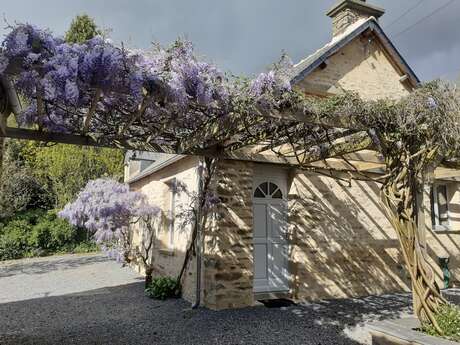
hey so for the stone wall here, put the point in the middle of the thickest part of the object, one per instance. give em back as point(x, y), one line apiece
point(361, 66)
point(168, 255)
point(341, 243)
point(228, 240)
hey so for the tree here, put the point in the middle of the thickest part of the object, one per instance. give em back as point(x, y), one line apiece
point(68, 168)
point(107, 209)
point(20, 190)
point(82, 29)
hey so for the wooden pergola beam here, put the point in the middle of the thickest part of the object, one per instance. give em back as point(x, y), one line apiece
point(355, 143)
point(351, 165)
point(368, 156)
point(443, 173)
point(342, 146)
point(62, 138)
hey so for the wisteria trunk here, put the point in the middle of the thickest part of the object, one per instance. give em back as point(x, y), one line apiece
point(399, 197)
point(148, 276)
point(200, 213)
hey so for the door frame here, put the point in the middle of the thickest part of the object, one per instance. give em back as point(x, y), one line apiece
point(279, 176)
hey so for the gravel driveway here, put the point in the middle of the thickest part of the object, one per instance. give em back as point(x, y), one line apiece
point(90, 300)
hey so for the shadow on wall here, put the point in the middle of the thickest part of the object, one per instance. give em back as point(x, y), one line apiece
point(228, 240)
point(343, 245)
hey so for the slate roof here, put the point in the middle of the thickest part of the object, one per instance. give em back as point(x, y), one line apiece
point(309, 64)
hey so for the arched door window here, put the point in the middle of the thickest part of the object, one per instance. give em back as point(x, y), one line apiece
point(268, 190)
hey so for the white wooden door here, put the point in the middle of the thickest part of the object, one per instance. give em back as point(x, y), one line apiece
point(270, 243)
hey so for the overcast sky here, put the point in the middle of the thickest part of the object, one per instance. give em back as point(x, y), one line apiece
point(245, 36)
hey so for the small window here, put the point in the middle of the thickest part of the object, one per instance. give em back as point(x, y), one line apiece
point(440, 207)
point(172, 211)
point(268, 190)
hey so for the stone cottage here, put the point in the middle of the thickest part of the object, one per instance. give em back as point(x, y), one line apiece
point(280, 232)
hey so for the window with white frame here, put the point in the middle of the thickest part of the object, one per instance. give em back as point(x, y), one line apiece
point(172, 211)
point(440, 207)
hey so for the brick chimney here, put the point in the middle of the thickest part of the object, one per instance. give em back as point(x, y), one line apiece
point(348, 12)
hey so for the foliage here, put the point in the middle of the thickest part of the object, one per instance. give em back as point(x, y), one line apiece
point(38, 232)
point(448, 318)
point(106, 208)
point(85, 247)
point(82, 29)
point(429, 116)
point(20, 190)
point(162, 288)
point(51, 233)
point(14, 239)
point(59, 172)
point(68, 168)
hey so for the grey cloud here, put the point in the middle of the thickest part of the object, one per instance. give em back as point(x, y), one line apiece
point(245, 36)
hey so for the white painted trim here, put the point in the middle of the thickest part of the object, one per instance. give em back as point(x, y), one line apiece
point(437, 226)
point(172, 213)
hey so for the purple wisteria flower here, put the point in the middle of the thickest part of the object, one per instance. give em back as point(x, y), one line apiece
point(274, 82)
point(167, 88)
point(106, 208)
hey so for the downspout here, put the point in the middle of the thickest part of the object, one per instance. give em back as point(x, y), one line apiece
point(444, 264)
point(198, 244)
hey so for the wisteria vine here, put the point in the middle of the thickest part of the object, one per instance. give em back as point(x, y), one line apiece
point(106, 91)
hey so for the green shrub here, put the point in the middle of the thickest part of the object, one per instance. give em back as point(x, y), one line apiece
point(14, 239)
point(448, 319)
point(162, 288)
point(52, 233)
point(32, 217)
point(38, 233)
point(21, 190)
